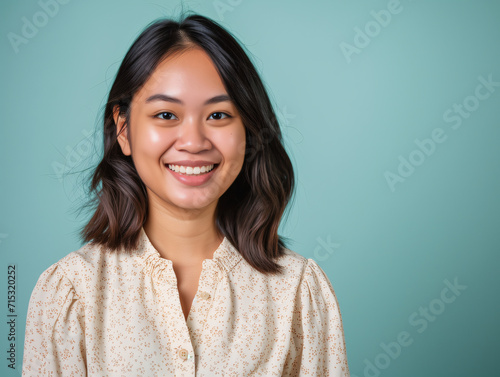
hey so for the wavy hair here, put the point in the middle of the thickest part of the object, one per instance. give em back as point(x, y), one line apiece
point(250, 211)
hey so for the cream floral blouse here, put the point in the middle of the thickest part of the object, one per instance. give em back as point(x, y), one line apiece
point(98, 312)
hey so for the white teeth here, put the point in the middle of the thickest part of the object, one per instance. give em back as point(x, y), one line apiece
point(190, 170)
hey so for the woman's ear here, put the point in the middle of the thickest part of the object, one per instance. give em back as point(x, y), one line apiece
point(121, 131)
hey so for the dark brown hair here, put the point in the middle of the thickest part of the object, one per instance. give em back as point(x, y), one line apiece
point(250, 211)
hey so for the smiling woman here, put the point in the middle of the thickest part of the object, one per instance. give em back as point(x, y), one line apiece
point(181, 132)
point(184, 272)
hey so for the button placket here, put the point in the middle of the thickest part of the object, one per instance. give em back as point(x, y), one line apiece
point(184, 354)
point(179, 332)
point(209, 280)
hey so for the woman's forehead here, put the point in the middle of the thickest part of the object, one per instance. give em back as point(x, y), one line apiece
point(190, 73)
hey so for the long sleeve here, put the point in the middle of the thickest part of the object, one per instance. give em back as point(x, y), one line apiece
point(317, 338)
point(54, 342)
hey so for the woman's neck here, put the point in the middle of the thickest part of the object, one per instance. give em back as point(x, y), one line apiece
point(186, 237)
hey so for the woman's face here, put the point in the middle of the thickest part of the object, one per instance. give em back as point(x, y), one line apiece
point(185, 136)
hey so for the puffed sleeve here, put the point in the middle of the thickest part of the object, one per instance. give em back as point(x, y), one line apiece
point(317, 335)
point(54, 342)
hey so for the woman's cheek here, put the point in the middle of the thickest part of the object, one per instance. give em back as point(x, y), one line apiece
point(153, 141)
point(233, 143)
point(154, 137)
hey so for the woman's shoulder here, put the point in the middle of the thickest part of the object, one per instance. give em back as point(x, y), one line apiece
point(296, 260)
point(301, 266)
point(294, 266)
point(293, 260)
point(87, 264)
point(88, 257)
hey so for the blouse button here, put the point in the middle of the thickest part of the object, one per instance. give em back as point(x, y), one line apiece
point(183, 354)
point(205, 295)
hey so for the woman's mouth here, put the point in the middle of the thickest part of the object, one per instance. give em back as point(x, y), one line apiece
point(191, 170)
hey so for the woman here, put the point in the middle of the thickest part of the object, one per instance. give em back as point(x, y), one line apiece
point(183, 272)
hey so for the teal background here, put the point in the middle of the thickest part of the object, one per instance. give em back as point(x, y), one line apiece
point(387, 252)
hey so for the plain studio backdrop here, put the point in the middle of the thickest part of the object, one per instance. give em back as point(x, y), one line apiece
point(389, 110)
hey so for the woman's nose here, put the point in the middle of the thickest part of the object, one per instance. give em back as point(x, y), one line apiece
point(192, 136)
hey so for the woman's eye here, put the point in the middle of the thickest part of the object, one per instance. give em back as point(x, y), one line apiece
point(165, 115)
point(219, 115)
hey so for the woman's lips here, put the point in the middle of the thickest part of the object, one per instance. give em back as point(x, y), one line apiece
point(192, 179)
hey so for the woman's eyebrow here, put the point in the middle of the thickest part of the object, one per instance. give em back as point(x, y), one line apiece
point(166, 98)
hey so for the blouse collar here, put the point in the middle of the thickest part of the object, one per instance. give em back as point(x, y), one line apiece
point(226, 256)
